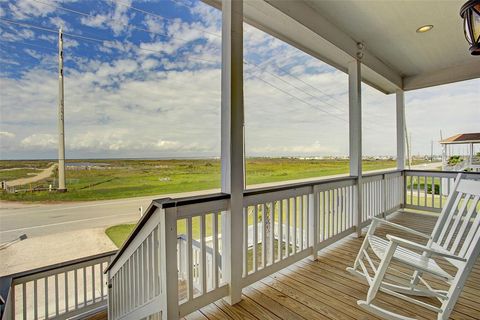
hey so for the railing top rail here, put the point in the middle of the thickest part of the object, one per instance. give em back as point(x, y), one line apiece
point(178, 202)
point(263, 190)
point(382, 172)
point(59, 265)
point(442, 172)
point(283, 187)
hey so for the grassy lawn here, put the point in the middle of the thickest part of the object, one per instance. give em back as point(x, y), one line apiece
point(115, 179)
point(119, 233)
point(24, 164)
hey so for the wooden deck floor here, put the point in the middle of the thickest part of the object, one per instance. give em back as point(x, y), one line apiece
point(324, 290)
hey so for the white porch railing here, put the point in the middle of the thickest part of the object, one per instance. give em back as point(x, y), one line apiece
point(281, 225)
point(173, 263)
point(63, 291)
point(382, 194)
point(428, 190)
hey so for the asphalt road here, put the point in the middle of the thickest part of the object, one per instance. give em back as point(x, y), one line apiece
point(44, 219)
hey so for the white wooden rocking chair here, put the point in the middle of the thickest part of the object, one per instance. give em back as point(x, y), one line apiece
point(455, 238)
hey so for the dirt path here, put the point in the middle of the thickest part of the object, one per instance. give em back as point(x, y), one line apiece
point(42, 175)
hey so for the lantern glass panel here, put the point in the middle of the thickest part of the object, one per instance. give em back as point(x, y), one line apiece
point(467, 31)
point(476, 23)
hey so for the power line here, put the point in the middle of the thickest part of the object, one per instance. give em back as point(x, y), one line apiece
point(22, 24)
point(85, 14)
point(151, 50)
point(314, 88)
point(297, 98)
point(163, 35)
point(30, 44)
point(309, 104)
point(102, 42)
point(324, 93)
point(298, 88)
point(96, 40)
point(152, 32)
point(182, 4)
point(63, 8)
point(145, 30)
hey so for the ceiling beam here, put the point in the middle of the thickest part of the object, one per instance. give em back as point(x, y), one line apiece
point(450, 74)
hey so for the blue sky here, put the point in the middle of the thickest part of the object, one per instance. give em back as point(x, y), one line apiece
point(142, 79)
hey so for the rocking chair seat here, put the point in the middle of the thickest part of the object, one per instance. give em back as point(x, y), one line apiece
point(409, 257)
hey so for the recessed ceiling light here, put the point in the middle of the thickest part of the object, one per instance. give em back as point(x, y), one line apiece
point(425, 28)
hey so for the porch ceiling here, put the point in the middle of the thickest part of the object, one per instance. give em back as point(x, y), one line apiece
point(395, 57)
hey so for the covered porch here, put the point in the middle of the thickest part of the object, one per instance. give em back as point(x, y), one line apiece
point(278, 252)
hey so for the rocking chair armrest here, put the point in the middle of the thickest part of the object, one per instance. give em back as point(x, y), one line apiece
point(413, 245)
point(403, 228)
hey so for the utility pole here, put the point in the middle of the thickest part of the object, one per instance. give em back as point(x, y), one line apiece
point(408, 142)
point(61, 117)
point(431, 150)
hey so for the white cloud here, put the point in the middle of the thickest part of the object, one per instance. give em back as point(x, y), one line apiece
point(12, 35)
point(39, 140)
point(7, 135)
point(451, 109)
point(116, 20)
point(149, 104)
point(317, 148)
point(23, 9)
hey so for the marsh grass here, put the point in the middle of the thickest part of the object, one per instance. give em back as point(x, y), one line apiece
point(134, 178)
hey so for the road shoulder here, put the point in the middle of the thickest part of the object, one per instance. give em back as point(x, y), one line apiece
point(55, 248)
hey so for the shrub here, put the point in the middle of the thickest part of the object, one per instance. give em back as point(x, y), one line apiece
point(453, 160)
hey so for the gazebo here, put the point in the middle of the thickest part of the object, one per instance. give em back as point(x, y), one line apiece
point(465, 162)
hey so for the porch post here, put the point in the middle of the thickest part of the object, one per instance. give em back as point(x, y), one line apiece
point(400, 129)
point(232, 136)
point(471, 155)
point(355, 133)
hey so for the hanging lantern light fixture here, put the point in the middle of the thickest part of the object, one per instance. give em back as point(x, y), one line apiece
point(470, 12)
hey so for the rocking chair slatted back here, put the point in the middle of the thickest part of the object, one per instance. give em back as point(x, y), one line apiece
point(457, 228)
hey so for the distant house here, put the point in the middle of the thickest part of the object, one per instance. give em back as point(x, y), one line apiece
point(456, 158)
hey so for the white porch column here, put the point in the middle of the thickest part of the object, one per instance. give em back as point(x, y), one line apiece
point(232, 116)
point(400, 129)
point(355, 132)
point(471, 155)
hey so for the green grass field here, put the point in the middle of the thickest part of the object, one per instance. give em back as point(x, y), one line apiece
point(132, 178)
point(13, 174)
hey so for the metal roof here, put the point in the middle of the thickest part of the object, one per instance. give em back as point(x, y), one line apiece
point(462, 138)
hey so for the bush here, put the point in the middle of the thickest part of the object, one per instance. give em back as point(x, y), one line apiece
point(453, 160)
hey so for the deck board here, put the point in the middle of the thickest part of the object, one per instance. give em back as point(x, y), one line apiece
point(323, 289)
